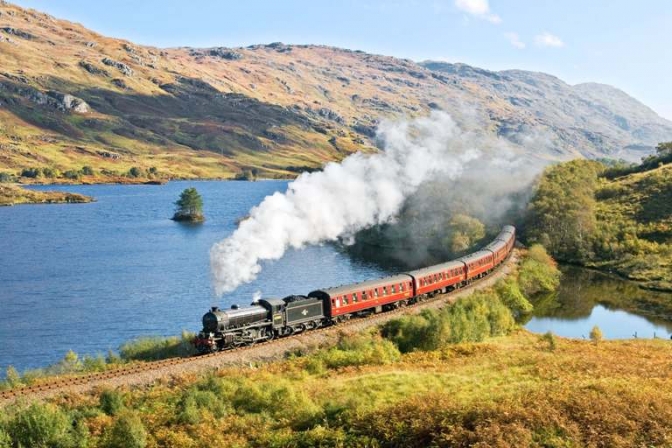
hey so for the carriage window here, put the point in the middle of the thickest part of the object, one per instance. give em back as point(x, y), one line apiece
point(345, 300)
point(363, 295)
point(333, 302)
point(384, 290)
point(393, 289)
point(354, 297)
point(375, 292)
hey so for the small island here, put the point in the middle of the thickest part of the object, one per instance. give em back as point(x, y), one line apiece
point(189, 207)
point(15, 195)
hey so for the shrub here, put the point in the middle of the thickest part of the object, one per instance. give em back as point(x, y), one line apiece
point(596, 334)
point(135, 172)
point(194, 401)
point(538, 272)
point(87, 171)
point(50, 172)
point(12, 377)
point(360, 349)
point(471, 319)
point(127, 432)
point(72, 175)
point(549, 337)
point(31, 172)
point(111, 402)
point(5, 440)
point(153, 348)
point(6, 177)
point(40, 425)
point(509, 292)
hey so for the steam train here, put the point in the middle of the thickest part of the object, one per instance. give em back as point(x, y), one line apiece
point(270, 318)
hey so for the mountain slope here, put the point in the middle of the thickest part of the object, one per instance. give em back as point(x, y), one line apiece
point(70, 97)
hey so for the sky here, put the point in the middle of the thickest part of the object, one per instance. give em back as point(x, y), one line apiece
point(623, 43)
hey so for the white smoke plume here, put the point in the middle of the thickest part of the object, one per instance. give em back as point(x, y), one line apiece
point(361, 191)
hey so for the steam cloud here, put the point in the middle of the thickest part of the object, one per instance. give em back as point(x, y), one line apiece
point(361, 191)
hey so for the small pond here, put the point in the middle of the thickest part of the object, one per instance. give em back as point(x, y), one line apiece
point(619, 307)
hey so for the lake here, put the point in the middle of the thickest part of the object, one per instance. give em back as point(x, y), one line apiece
point(88, 277)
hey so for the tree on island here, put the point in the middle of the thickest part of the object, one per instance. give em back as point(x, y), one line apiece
point(189, 206)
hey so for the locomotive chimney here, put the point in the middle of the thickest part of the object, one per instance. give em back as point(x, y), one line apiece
point(214, 308)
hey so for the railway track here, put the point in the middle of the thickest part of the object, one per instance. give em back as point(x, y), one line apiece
point(100, 378)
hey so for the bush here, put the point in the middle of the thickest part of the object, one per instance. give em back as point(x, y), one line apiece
point(596, 334)
point(538, 272)
point(360, 349)
point(6, 177)
point(153, 348)
point(72, 175)
point(42, 426)
point(194, 401)
point(50, 172)
point(12, 377)
point(471, 319)
point(549, 337)
point(5, 440)
point(111, 402)
point(511, 295)
point(135, 172)
point(87, 171)
point(31, 172)
point(127, 432)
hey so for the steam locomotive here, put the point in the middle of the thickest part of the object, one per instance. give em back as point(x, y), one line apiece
point(270, 318)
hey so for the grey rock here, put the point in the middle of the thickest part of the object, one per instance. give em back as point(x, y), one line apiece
point(120, 83)
point(123, 68)
point(17, 33)
point(225, 53)
point(66, 102)
point(89, 67)
point(330, 115)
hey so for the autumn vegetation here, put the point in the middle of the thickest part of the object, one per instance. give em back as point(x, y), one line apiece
point(616, 218)
point(461, 376)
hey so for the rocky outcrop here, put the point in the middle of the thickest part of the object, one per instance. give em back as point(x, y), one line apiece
point(89, 67)
point(64, 102)
point(123, 68)
point(225, 53)
point(17, 33)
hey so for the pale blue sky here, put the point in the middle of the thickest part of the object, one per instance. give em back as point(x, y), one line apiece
point(623, 43)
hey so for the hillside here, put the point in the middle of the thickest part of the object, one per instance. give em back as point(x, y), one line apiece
point(70, 98)
point(618, 220)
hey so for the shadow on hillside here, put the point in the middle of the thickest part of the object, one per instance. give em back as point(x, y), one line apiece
point(191, 113)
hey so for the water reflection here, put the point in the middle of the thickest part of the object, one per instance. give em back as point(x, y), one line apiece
point(619, 307)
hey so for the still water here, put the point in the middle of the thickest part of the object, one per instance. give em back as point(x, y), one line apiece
point(587, 298)
point(88, 277)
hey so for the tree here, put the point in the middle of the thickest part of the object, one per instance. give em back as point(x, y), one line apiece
point(664, 149)
point(189, 206)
